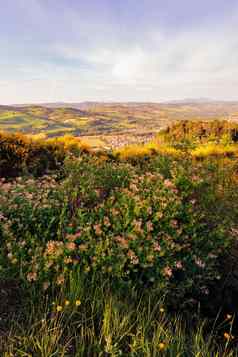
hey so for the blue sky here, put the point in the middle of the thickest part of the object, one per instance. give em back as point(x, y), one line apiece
point(118, 50)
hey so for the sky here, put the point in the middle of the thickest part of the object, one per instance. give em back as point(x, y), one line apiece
point(118, 50)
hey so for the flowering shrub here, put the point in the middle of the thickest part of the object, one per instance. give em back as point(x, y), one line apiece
point(135, 153)
point(132, 226)
point(215, 150)
point(20, 154)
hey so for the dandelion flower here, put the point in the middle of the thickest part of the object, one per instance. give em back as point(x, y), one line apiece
point(161, 346)
point(77, 302)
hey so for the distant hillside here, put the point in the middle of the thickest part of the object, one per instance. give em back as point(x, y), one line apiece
point(109, 119)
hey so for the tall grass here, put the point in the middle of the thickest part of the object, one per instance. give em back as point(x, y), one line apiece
point(111, 323)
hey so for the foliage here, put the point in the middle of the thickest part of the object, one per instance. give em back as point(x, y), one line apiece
point(20, 154)
point(201, 131)
point(133, 226)
point(107, 248)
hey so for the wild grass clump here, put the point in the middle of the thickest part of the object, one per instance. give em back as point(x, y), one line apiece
point(88, 318)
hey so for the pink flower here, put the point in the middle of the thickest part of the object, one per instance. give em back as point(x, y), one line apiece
point(157, 247)
point(199, 263)
point(134, 259)
point(168, 184)
point(70, 246)
point(174, 223)
point(32, 276)
point(205, 290)
point(122, 241)
point(179, 265)
point(212, 256)
point(97, 229)
point(149, 226)
point(167, 272)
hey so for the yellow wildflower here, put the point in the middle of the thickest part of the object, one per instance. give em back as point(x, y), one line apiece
point(161, 346)
point(66, 302)
point(77, 302)
point(59, 308)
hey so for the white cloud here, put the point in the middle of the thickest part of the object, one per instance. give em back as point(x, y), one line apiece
point(157, 66)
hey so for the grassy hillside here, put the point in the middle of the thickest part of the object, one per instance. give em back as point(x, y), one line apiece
point(109, 124)
point(128, 252)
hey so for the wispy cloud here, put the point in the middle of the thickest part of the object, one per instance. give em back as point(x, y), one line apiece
point(67, 51)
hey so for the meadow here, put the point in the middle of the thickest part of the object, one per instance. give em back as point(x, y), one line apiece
point(124, 252)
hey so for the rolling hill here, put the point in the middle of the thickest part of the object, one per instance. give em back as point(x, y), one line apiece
point(110, 124)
